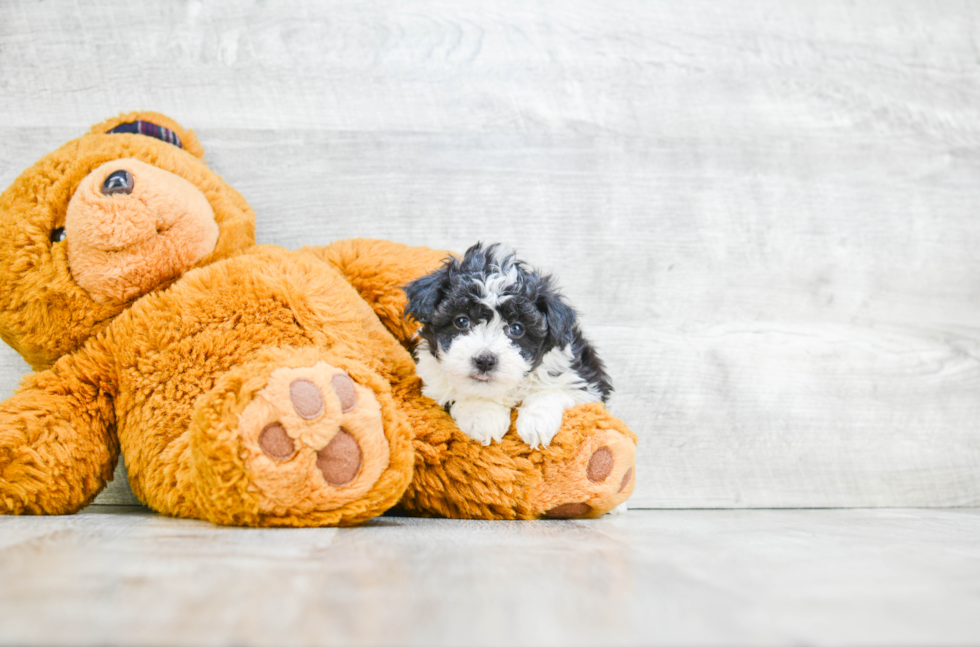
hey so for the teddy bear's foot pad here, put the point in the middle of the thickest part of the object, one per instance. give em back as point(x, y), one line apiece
point(340, 460)
point(314, 439)
point(597, 478)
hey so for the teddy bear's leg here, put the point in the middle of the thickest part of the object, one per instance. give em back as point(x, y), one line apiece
point(587, 470)
point(57, 444)
point(297, 437)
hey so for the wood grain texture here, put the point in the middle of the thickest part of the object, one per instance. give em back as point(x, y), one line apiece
point(767, 218)
point(708, 577)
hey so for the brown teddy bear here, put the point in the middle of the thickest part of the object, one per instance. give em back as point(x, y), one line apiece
point(245, 384)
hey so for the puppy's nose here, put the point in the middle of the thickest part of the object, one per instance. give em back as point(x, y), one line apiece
point(485, 362)
point(119, 182)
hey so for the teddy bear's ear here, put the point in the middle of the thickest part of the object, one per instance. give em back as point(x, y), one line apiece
point(153, 124)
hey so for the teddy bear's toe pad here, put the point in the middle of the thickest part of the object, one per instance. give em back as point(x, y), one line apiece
point(306, 398)
point(627, 477)
point(275, 442)
point(314, 439)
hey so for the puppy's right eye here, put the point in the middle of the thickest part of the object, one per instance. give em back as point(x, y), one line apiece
point(461, 322)
point(58, 235)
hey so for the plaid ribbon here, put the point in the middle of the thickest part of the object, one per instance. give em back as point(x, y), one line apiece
point(150, 130)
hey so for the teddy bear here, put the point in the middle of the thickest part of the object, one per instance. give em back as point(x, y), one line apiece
point(244, 384)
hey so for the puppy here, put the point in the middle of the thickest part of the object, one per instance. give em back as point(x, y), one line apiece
point(495, 334)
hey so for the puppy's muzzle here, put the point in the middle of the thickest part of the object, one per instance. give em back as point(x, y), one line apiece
point(484, 363)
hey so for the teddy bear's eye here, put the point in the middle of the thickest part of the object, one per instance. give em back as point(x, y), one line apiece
point(58, 235)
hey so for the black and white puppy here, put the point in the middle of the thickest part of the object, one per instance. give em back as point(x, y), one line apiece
point(495, 334)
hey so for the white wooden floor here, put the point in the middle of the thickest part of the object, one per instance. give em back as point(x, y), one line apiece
point(125, 576)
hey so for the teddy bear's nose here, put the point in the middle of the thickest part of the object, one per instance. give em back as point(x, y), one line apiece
point(120, 181)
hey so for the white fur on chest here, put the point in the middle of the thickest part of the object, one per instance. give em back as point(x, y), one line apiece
point(482, 410)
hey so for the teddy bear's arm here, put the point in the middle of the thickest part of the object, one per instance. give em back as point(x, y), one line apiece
point(58, 446)
point(378, 269)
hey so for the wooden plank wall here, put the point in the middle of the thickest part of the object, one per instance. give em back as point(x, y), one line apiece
point(767, 214)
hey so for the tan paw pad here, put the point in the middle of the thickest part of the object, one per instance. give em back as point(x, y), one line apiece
point(306, 398)
point(313, 439)
point(343, 386)
point(568, 511)
point(598, 477)
point(340, 460)
point(627, 477)
point(600, 465)
point(275, 442)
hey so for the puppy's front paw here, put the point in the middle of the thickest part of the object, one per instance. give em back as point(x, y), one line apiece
point(538, 422)
point(481, 420)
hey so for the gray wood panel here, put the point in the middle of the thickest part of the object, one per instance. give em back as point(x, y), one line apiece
point(767, 216)
point(703, 577)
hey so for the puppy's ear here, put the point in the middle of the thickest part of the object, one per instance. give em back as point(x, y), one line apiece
point(424, 294)
point(558, 315)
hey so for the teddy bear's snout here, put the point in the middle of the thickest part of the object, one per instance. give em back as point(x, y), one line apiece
point(116, 220)
point(132, 227)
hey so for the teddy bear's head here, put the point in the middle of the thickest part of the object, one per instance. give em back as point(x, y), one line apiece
point(103, 220)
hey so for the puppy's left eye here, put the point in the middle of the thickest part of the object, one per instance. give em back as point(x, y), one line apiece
point(461, 322)
point(516, 331)
point(58, 235)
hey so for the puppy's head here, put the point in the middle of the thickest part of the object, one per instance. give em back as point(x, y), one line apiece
point(488, 319)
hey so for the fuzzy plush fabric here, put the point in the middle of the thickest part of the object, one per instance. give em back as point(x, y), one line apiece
point(45, 312)
point(244, 384)
point(115, 252)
